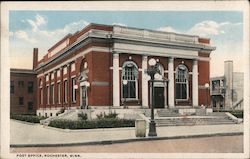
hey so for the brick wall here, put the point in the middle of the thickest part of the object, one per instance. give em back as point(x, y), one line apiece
point(22, 91)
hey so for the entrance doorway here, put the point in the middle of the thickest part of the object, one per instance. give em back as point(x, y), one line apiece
point(159, 97)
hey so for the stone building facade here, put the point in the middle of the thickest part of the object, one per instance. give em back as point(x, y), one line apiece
point(105, 65)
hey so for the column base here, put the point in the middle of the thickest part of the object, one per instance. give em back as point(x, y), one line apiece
point(152, 129)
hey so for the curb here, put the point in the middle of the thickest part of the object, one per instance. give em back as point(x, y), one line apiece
point(88, 130)
point(107, 142)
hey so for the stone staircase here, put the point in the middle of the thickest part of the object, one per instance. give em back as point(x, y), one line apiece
point(193, 120)
point(168, 113)
point(68, 114)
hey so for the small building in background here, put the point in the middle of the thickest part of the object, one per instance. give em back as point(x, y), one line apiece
point(23, 90)
point(227, 90)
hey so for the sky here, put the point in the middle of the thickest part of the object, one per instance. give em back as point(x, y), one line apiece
point(42, 29)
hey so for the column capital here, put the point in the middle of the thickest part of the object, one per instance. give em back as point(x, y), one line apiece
point(115, 55)
point(171, 59)
point(195, 61)
point(144, 57)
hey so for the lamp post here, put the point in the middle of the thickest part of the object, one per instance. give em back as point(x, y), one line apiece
point(206, 86)
point(152, 71)
point(124, 82)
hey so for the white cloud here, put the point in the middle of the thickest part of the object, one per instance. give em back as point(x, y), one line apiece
point(39, 21)
point(227, 38)
point(24, 36)
point(120, 24)
point(208, 28)
point(168, 29)
point(39, 36)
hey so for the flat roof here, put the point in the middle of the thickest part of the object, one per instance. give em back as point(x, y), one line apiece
point(23, 71)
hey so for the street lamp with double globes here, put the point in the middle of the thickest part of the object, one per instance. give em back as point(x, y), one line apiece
point(152, 71)
point(207, 87)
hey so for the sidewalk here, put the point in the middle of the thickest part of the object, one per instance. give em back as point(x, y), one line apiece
point(38, 135)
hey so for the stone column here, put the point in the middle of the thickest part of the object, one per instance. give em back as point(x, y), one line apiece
point(195, 83)
point(144, 81)
point(171, 97)
point(116, 80)
point(69, 85)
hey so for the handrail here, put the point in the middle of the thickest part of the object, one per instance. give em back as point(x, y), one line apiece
point(238, 103)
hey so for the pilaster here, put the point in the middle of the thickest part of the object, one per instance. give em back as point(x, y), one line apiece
point(116, 80)
point(171, 97)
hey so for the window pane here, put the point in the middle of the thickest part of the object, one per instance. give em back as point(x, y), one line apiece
point(20, 83)
point(132, 90)
point(20, 100)
point(73, 92)
point(30, 106)
point(52, 92)
point(65, 91)
point(178, 91)
point(12, 87)
point(184, 91)
point(59, 92)
point(41, 96)
point(48, 94)
point(125, 91)
point(30, 87)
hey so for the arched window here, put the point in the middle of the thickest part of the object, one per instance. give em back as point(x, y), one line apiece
point(181, 82)
point(130, 80)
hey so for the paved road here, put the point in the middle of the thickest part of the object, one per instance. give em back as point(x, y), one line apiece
point(37, 134)
point(218, 144)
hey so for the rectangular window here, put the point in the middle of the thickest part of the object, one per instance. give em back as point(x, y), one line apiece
point(30, 106)
point(52, 93)
point(73, 90)
point(21, 101)
point(73, 67)
point(58, 73)
point(20, 83)
point(47, 78)
point(65, 91)
point(65, 70)
point(52, 75)
point(30, 87)
point(59, 92)
point(12, 87)
point(41, 96)
point(48, 94)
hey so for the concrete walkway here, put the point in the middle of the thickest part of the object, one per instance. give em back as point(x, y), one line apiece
point(23, 134)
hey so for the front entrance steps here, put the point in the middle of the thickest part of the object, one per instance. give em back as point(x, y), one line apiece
point(193, 120)
point(68, 114)
point(163, 117)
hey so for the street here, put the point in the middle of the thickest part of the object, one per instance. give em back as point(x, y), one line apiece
point(216, 144)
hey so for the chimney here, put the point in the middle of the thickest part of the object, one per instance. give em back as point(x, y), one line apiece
point(228, 73)
point(35, 57)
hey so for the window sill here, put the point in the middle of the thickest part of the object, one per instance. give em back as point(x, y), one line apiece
point(181, 100)
point(129, 100)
